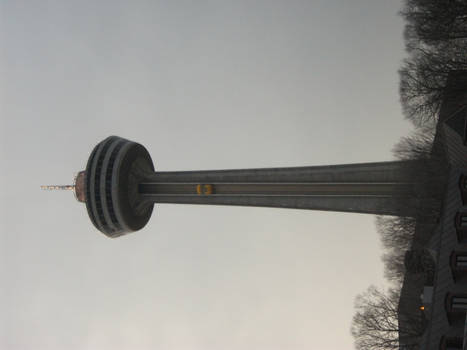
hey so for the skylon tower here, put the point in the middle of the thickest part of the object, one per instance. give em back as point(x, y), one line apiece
point(120, 187)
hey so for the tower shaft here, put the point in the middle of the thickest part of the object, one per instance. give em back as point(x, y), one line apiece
point(373, 188)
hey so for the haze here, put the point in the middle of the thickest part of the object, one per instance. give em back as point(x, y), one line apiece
point(203, 85)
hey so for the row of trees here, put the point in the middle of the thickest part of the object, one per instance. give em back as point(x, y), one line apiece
point(380, 322)
point(436, 41)
point(428, 164)
point(376, 322)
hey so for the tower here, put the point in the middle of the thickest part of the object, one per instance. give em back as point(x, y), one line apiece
point(120, 187)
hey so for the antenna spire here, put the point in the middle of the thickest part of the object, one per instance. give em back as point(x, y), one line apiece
point(77, 187)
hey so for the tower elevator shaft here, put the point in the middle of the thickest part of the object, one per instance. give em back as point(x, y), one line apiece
point(375, 188)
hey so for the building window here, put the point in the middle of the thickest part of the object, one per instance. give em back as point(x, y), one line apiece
point(463, 183)
point(465, 128)
point(460, 222)
point(456, 307)
point(450, 343)
point(459, 303)
point(461, 261)
point(458, 264)
point(463, 188)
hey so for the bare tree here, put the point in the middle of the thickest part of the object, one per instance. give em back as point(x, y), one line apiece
point(420, 261)
point(435, 21)
point(436, 38)
point(394, 268)
point(396, 231)
point(396, 234)
point(416, 146)
point(376, 324)
point(427, 171)
point(421, 91)
point(423, 81)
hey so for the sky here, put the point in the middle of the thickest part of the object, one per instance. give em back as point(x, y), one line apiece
point(202, 85)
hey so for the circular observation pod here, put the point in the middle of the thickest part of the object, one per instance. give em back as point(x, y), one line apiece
point(113, 171)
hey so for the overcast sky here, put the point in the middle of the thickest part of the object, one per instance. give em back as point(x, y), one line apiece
point(203, 85)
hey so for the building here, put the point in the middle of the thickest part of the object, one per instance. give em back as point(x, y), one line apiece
point(439, 293)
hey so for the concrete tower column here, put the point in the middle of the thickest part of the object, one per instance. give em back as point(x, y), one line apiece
point(373, 188)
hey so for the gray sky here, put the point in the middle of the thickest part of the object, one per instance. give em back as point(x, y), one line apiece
point(203, 85)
